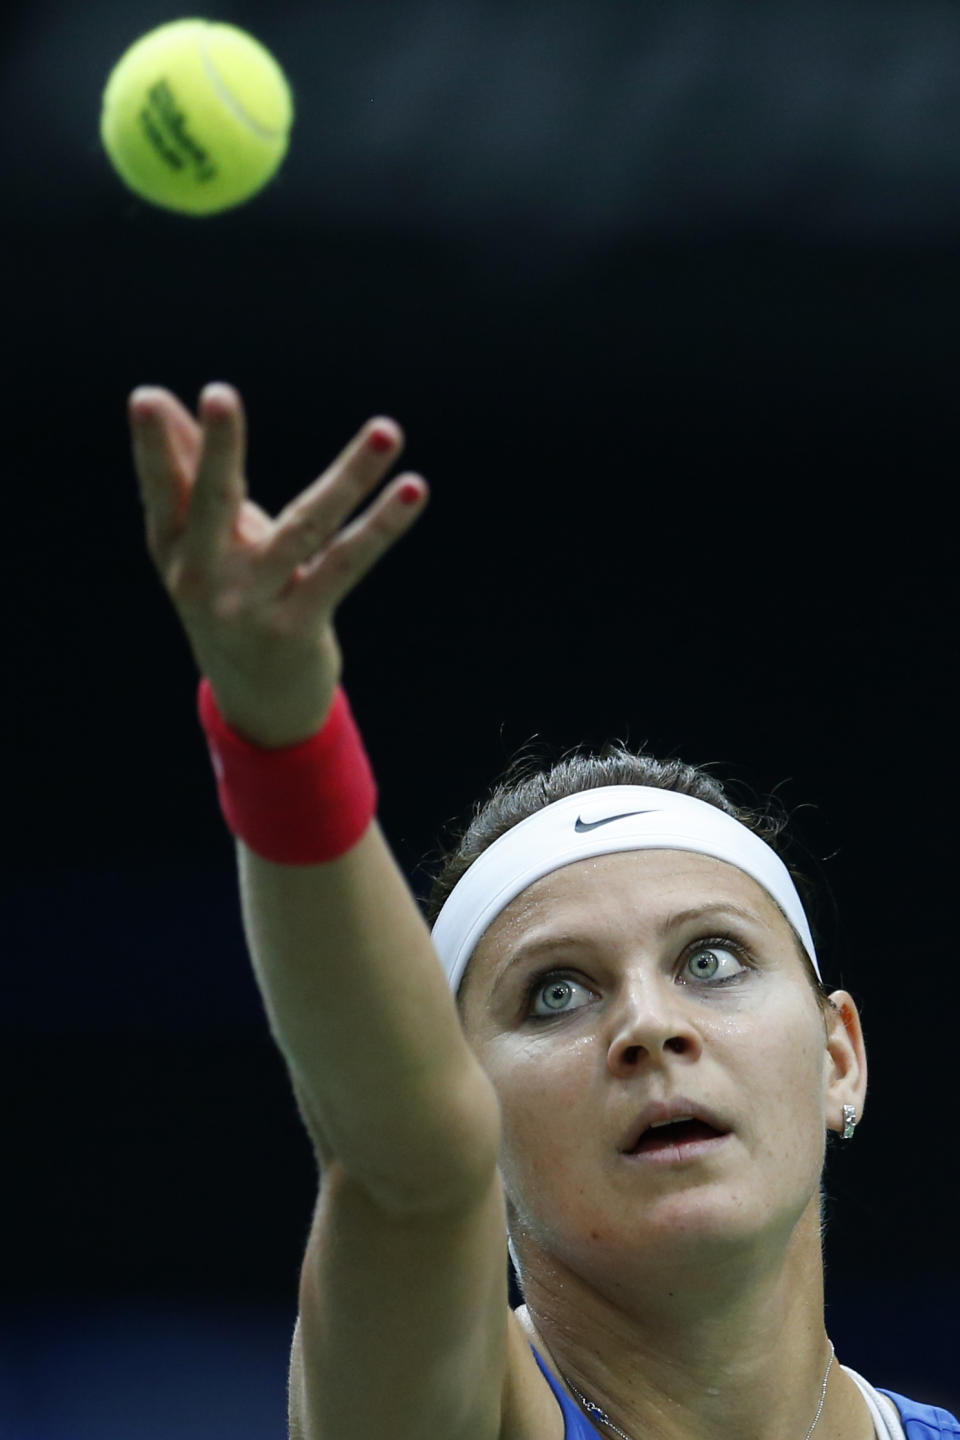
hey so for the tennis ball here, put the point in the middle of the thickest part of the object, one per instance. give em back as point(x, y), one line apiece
point(196, 116)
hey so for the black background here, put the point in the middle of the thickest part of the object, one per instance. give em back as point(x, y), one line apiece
point(665, 299)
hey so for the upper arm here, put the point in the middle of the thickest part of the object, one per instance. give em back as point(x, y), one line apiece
point(403, 1317)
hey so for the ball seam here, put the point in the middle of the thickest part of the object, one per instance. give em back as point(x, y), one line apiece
point(231, 101)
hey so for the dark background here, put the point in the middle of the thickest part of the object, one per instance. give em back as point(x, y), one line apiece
point(665, 298)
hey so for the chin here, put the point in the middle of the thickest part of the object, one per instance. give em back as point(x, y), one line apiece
point(701, 1223)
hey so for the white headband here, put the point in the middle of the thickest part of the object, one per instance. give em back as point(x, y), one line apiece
point(603, 821)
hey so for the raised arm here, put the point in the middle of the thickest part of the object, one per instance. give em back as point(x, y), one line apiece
point(355, 996)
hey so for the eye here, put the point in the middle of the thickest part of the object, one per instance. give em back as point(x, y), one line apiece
point(715, 961)
point(556, 989)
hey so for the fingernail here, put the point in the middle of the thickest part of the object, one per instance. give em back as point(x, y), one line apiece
point(409, 493)
point(215, 407)
point(216, 390)
point(380, 440)
point(140, 403)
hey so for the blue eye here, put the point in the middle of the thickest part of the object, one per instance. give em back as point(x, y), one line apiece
point(555, 989)
point(710, 961)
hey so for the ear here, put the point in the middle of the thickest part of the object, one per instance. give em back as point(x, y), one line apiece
point(845, 1063)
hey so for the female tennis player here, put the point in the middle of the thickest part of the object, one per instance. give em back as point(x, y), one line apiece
point(611, 1044)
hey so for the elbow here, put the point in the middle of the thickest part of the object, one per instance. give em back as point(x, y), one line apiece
point(451, 1164)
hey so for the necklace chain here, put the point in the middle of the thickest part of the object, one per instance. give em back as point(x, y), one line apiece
point(604, 1418)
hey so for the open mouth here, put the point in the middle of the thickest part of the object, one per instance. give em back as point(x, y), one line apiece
point(676, 1134)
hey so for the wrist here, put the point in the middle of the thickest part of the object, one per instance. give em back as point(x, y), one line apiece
point(274, 731)
point(299, 804)
point(278, 698)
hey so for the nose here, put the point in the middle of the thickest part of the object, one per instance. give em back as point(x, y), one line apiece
point(651, 1026)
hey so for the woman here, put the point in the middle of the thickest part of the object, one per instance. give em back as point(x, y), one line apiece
point(626, 1056)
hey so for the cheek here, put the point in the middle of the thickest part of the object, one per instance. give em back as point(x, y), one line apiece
point(789, 1078)
point(544, 1105)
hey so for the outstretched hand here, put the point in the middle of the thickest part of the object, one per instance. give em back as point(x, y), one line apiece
point(257, 596)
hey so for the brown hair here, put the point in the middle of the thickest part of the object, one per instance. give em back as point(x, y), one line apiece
point(530, 782)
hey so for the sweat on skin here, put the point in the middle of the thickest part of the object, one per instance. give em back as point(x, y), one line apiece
point(686, 1299)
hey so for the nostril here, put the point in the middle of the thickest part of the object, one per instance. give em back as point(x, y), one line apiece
point(677, 1045)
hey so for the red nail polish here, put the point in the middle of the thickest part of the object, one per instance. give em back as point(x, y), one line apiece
point(380, 441)
point(409, 493)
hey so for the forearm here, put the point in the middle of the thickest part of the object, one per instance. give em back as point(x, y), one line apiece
point(359, 1006)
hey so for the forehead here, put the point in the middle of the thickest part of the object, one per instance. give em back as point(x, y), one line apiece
point(605, 893)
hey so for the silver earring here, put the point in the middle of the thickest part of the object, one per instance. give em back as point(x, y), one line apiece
point(849, 1122)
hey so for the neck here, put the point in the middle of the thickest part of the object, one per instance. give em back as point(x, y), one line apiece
point(729, 1351)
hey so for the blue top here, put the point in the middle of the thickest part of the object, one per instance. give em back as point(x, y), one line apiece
point(576, 1426)
point(921, 1422)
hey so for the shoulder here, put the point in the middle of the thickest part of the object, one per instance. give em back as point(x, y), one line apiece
point(924, 1422)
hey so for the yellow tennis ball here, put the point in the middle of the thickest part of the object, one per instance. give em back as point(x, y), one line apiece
point(196, 116)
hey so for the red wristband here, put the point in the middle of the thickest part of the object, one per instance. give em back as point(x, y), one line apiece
point(300, 805)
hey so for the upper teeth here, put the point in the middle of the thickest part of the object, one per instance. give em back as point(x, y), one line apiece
point(677, 1119)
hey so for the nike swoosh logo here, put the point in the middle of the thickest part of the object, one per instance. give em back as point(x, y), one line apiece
point(583, 825)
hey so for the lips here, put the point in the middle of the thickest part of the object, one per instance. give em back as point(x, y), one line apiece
point(673, 1122)
point(680, 1132)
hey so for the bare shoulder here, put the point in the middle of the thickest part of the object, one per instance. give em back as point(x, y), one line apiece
point(530, 1409)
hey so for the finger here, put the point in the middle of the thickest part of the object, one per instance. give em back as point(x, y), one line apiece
point(162, 455)
point(323, 582)
point(220, 487)
point(311, 521)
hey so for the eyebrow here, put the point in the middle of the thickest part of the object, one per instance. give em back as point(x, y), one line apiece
point(566, 941)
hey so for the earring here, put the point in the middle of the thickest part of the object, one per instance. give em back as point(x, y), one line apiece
point(849, 1122)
